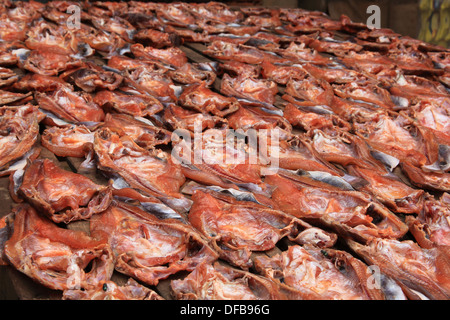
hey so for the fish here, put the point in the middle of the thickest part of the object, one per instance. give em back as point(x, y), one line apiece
point(369, 62)
point(357, 111)
point(434, 117)
point(429, 180)
point(303, 132)
point(235, 68)
point(269, 19)
point(367, 92)
point(37, 82)
point(135, 104)
point(48, 63)
point(172, 56)
point(152, 173)
point(398, 137)
point(68, 141)
point(11, 52)
point(309, 273)
point(235, 228)
point(431, 227)
point(223, 50)
point(417, 89)
point(202, 99)
point(257, 90)
point(298, 154)
point(14, 98)
point(155, 38)
point(348, 213)
point(240, 195)
point(188, 35)
point(141, 130)
point(219, 160)
point(215, 11)
point(12, 29)
point(253, 117)
point(70, 105)
point(309, 23)
point(154, 83)
point(411, 60)
point(440, 58)
point(105, 43)
point(19, 127)
point(341, 147)
point(420, 272)
point(178, 118)
point(109, 290)
point(191, 73)
point(391, 191)
point(300, 53)
point(281, 73)
point(177, 15)
point(116, 25)
point(380, 35)
point(335, 75)
point(147, 248)
point(122, 63)
point(45, 35)
point(218, 282)
point(301, 117)
point(7, 77)
point(108, 9)
point(333, 46)
point(230, 30)
point(311, 90)
point(90, 77)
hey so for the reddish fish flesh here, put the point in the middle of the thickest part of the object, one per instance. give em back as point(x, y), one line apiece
point(151, 172)
point(177, 117)
point(256, 90)
point(191, 73)
point(235, 229)
point(308, 273)
point(70, 105)
point(142, 131)
point(422, 273)
point(62, 195)
point(56, 257)
point(48, 63)
point(431, 226)
point(173, 56)
point(148, 248)
point(247, 54)
point(199, 97)
point(19, 127)
point(137, 104)
point(70, 141)
point(90, 77)
point(349, 213)
point(391, 191)
point(109, 290)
